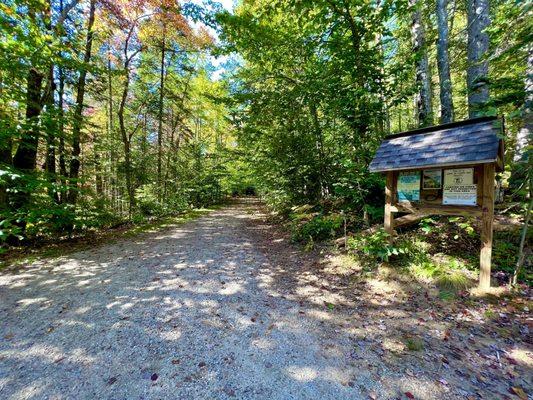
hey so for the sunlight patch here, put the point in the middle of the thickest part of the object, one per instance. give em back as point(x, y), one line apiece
point(232, 288)
point(302, 374)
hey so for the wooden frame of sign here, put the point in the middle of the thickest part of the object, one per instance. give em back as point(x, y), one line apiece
point(446, 169)
point(430, 203)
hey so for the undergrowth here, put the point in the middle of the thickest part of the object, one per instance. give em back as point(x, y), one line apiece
point(444, 251)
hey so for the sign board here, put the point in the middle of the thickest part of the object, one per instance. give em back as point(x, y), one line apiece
point(459, 187)
point(432, 178)
point(409, 186)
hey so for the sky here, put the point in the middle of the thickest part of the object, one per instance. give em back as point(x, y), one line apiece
point(218, 63)
point(227, 4)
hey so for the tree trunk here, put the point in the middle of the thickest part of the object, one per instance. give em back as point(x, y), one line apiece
point(521, 252)
point(443, 63)
point(50, 119)
point(111, 133)
point(61, 127)
point(360, 120)
point(319, 141)
point(61, 149)
point(524, 135)
point(50, 125)
point(423, 96)
point(99, 183)
point(125, 137)
point(478, 66)
point(5, 146)
point(78, 118)
point(25, 158)
point(160, 117)
point(26, 155)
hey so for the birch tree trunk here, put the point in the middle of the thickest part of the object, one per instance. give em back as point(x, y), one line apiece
point(77, 122)
point(478, 66)
point(443, 64)
point(524, 135)
point(423, 96)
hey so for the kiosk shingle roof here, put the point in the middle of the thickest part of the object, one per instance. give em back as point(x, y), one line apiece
point(474, 141)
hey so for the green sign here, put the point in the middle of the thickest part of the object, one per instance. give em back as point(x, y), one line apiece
point(409, 186)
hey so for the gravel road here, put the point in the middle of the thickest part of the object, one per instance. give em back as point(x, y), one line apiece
point(195, 311)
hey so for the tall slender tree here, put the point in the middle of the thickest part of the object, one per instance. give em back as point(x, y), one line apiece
point(160, 110)
point(478, 66)
point(443, 64)
point(423, 79)
point(524, 137)
point(78, 112)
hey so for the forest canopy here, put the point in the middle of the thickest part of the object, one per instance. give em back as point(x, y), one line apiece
point(114, 111)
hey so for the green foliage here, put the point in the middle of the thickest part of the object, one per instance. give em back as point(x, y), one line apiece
point(414, 344)
point(465, 225)
point(412, 255)
point(8, 228)
point(146, 197)
point(320, 227)
point(376, 246)
point(427, 225)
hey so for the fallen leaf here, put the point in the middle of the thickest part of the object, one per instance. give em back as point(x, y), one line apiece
point(111, 380)
point(154, 377)
point(409, 395)
point(519, 392)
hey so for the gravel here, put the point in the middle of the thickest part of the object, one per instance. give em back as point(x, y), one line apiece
point(196, 311)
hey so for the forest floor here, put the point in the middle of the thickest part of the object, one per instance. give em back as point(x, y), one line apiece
point(225, 307)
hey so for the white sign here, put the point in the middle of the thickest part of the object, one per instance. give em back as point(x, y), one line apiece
point(459, 188)
point(459, 176)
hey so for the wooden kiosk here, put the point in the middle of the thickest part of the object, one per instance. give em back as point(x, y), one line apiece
point(446, 169)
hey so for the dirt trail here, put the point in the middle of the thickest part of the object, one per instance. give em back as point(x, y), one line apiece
point(223, 307)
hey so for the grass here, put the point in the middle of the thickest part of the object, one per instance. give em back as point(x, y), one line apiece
point(166, 222)
point(20, 256)
point(412, 255)
point(414, 344)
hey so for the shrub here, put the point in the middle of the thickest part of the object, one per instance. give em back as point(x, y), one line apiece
point(146, 197)
point(376, 246)
point(320, 227)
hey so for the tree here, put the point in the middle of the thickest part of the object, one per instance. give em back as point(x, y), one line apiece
point(78, 117)
point(423, 78)
point(443, 63)
point(478, 66)
point(524, 135)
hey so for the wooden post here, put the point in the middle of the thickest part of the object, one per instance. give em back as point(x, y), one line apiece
point(389, 195)
point(487, 217)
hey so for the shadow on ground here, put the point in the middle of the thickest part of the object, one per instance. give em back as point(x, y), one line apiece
point(223, 307)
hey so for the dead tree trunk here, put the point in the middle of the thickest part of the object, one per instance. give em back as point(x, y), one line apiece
point(423, 95)
point(478, 66)
point(443, 64)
